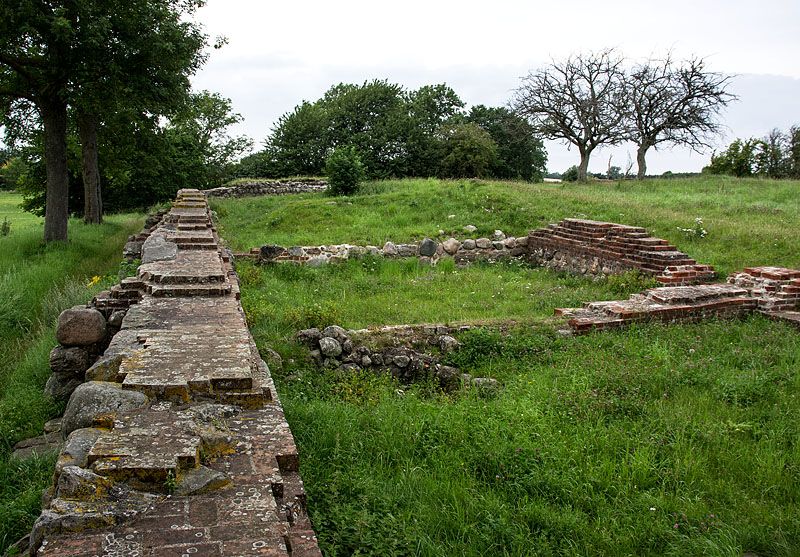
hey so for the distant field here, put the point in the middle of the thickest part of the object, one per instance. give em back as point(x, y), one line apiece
point(657, 440)
point(37, 282)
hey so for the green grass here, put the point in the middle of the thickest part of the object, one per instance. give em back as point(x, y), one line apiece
point(656, 440)
point(749, 221)
point(37, 282)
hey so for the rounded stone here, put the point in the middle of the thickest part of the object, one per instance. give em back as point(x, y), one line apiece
point(483, 243)
point(335, 331)
point(428, 247)
point(330, 347)
point(80, 326)
point(470, 229)
point(401, 361)
point(74, 359)
point(96, 398)
point(60, 385)
point(115, 319)
point(499, 235)
point(447, 344)
point(389, 249)
point(469, 244)
point(451, 246)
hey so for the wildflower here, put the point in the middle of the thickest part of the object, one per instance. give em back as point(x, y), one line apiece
point(95, 280)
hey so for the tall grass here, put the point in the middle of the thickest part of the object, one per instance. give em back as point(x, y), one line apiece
point(37, 282)
point(655, 440)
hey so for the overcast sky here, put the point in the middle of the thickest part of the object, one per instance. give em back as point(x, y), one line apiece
point(281, 53)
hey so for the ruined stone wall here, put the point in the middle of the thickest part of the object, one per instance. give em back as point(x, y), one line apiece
point(268, 187)
point(587, 247)
point(173, 440)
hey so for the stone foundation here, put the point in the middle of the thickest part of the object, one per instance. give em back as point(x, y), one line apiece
point(268, 187)
point(177, 443)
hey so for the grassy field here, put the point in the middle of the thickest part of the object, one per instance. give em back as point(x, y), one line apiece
point(656, 440)
point(749, 221)
point(37, 282)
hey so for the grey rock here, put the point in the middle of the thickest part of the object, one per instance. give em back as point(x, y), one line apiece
point(335, 331)
point(366, 361)
point(316, 355)
point(139, 318)
point(486, 386)
point(470, 229)
point(330, 347)
point(96, 398)
point(448, 377)
point(407, 250)
point(401, 361)
point(523, 241)
point(115, 319)
point(52, 426)
point(497, 244)
point(80, 326)
point(468, 244)
point(510, 243)
point(466, 379)
point(377, 358)
point(157, 248)
point(483, 243)
point(60, 385)
point(309, 337)
point(202, 480)
point(451, 246)
point(447, 344)
point(269, 252)
point(349, 367)
point(428, 247)
point(389, 249)
point(69, 360)
point(347, 346)
point(499, 235)
point(274, 360)
point(40, 445)
point(123, 345)
point(76, 448)
point(296, 251)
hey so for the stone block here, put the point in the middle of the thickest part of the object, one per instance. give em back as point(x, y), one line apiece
point(69, 360)
point(97, 398)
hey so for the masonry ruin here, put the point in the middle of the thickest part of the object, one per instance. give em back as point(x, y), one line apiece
point(176, 444)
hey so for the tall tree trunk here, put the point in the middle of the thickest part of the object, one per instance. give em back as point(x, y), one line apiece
point(640, 160)
point(584, 166)
point(54, 117)
point(93, 203)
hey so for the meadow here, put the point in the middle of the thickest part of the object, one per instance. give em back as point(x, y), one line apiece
point(654, 440)
point(37, 282)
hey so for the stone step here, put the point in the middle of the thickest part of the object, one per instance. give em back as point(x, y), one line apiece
point(187, 290)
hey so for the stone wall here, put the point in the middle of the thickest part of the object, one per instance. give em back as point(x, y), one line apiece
point(176, 443)
point(268, 187)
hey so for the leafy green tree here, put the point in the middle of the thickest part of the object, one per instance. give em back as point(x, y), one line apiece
point(429, 107)
point(86, 54)
point(737, 160)
point(11, 172)
point(570, 174)
point(794, 152)
point(520, 153)
point(344, 170)
point(467, 151)
point(298, 143)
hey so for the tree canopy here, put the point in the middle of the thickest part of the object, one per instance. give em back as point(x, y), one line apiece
point(394, 132)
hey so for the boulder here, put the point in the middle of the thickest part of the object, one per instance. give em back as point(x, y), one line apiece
point(60, 385)
point(202, 480)
point(486, 386)
point(76, 448)
point(447, 344)
point(499, 235)
point(123, 345)
point(309, 337)
point(401, 361)
point(317, 261)
point(407, 250)
point(469, 229)
point(428, 247)
point(483, 243)
point(335, 331)
point(69, 360)
point(330, 347)
point(389, 249)
point(448, 377)
point(97, 398)
point(157, 248)
point(268, 253)
point(115, 319)
point(80, 326)
point(468, 244)
point(451, 246)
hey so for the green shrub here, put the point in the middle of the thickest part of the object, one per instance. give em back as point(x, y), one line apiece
point(571, 174)
point(344, 171)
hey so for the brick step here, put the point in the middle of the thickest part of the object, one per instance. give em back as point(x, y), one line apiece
point(187, 290)
point(196, 246)
point(117, 292)
point(185, 278)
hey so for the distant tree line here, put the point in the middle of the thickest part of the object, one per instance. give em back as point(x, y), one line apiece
point(98, 92)
point(396, 133)
point(775, 156)
point(591, 100)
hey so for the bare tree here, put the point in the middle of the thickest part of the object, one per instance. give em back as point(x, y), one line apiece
point(676, 105)
point(580, 101)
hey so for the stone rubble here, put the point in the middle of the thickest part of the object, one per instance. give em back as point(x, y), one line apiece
point(268, 187)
